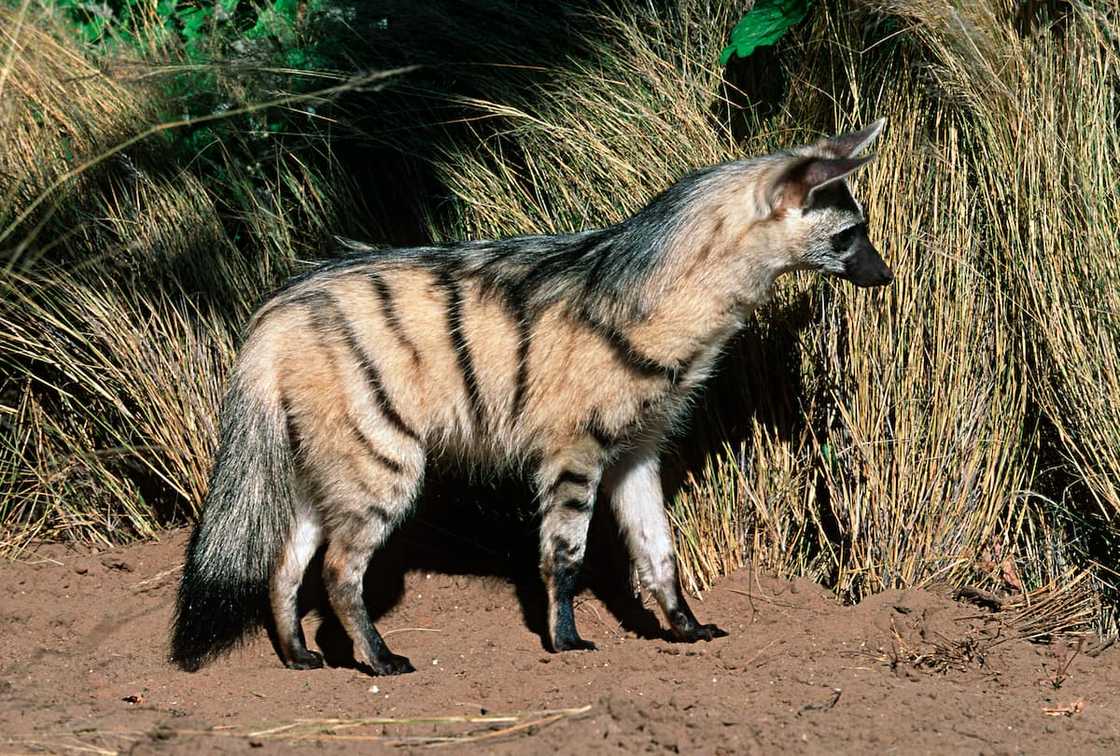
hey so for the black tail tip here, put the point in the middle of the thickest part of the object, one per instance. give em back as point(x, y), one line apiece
point(210, 621)
point(187, 663)
point(198, 639)
point(218, 604)
point(190, 650)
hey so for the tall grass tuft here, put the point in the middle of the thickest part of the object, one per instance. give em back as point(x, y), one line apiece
point(124, 282)
point(1039, 95)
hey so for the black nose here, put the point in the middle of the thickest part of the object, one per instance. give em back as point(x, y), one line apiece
point(866, 267)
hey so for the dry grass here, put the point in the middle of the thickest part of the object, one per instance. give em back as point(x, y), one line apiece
point(124, 279)
point(960, 427)
point(1058, 222)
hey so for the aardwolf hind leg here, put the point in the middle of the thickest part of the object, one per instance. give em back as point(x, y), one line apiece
point(302, 544)
point(352, 540)
point(634, 484)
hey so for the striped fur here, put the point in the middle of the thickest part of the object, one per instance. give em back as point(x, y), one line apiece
point(569, 358)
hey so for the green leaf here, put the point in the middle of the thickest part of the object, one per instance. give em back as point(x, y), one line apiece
point(276, 20)
point(93, 30)
point(296, 58)
point(126, 37)
point(764, 24)
point(287, 9)
point(193, 21)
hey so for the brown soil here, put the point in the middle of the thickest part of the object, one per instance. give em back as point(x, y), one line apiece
point(82, 665)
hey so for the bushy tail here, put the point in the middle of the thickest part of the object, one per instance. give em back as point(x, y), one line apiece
point(248, 513)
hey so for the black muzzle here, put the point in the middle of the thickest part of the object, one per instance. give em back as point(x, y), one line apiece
point(865, 267)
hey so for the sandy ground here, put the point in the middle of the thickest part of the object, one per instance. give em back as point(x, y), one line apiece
point(83, 666)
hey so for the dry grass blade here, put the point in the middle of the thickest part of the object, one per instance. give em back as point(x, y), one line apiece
point(1067, 604)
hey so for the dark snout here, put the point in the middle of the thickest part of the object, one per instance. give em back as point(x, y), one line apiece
point(865, 267)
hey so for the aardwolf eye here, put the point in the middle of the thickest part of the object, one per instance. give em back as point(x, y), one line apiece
point(842, 240)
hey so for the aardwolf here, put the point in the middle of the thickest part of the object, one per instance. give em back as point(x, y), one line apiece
point(569, 358)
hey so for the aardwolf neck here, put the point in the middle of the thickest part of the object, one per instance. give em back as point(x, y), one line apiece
point(723, 254)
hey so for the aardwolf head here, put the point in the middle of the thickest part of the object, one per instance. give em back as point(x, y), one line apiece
point(812, 199)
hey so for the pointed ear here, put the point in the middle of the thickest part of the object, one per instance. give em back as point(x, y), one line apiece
point(795, 187)
point(853, 144)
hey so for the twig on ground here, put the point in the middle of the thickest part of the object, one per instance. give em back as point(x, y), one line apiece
point(154, 581)
point(387, 633)
point(1074, 707)
point(981, 597)
point(767, 599)
point(1061, 672)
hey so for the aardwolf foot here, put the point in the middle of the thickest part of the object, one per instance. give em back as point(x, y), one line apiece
point(575, 643)
point(391, 664)
point(689, 631)
point(304, 659)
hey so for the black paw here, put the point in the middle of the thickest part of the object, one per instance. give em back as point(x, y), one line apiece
point(694, 632)
point(391, 664)
point(304, 659)
point(573, 643)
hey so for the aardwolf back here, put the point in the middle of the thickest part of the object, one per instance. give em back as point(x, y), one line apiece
point(568, 358)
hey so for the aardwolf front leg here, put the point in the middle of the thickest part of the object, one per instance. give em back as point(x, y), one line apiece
point(634, 485)
point(567, 486)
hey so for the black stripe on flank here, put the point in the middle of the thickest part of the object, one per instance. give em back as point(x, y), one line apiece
point(686, 366)
point(391, 464)
point(376, 511)
point(389, 312)
point(595, 429)
point(318, 303)
point(628, 354)
point(574, 255)
point(373, 378)
point(524, 338)
point(295, 439)
point(459, 343)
